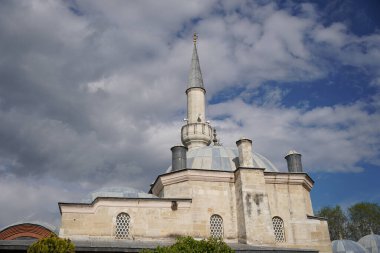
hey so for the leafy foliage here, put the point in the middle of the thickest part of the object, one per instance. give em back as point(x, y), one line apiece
point(52, 244)
point(189, 245)
point(337, 221)
point(360, 219)
point(364, 217)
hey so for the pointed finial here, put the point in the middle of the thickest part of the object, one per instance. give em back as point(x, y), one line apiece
point(195, 37)
point(215, 140)
point(195, 76)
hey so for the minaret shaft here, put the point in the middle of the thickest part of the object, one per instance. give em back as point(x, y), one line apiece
point(196, 105)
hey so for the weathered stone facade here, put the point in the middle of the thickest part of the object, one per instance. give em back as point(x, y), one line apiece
point(246, 199)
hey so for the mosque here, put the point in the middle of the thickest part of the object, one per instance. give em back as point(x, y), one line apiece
point(209, 190)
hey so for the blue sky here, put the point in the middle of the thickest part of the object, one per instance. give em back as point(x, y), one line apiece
point(345, 189)
point(85, 87)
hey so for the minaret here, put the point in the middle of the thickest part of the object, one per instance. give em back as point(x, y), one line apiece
point(197, 132)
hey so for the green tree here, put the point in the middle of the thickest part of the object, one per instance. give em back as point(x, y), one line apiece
point(363, 217)
point(189, 245)
point(336, 220)
point(52, 244)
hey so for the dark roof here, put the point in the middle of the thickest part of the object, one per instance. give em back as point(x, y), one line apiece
point(136, 246)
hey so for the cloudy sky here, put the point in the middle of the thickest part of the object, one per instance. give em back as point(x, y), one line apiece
point(92, 93)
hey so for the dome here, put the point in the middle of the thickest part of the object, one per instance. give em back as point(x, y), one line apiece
point(27, 230)
point(117, 192)
point(347, 246)
point(32, 222)
point(371, 243)
point(222, 158)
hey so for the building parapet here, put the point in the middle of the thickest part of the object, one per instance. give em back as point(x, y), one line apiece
point(117, 201)
point(289, 178)
point(190, 175)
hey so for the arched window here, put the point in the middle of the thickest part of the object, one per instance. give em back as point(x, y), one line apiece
point(122, 226)
point(216, 226)
point(278, 226)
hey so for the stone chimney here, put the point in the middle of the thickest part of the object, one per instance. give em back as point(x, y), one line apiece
point(178, 157)
point(293, 158)
point(245, 152)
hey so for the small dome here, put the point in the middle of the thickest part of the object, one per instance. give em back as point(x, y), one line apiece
point(117, 192)
point(371, 243)
point(222, 158)
point(347, 246)
point(32, 222)
point(27, 230)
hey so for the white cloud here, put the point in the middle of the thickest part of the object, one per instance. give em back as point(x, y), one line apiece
point(330, 139)
point(335, 35)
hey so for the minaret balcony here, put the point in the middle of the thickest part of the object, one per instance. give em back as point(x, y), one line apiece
point(196, 134)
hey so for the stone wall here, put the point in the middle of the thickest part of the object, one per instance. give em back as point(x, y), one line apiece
point(254, 217)
point(289, 199)
point(207, 193)
point(212, 192)
point(150, 218)
point(246, 199)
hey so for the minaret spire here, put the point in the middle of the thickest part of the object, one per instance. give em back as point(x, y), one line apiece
point(195, 76)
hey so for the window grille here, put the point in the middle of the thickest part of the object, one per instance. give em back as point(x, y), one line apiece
point(216, 226)
point(122, 226)
point(278, 226)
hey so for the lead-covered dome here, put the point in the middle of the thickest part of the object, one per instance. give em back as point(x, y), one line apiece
point(371, 243)
point(222, 158)
point(347, 246)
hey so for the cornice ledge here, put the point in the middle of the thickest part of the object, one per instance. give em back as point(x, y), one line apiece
point(289, 178)
point(191, 175)
point(197, 175)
